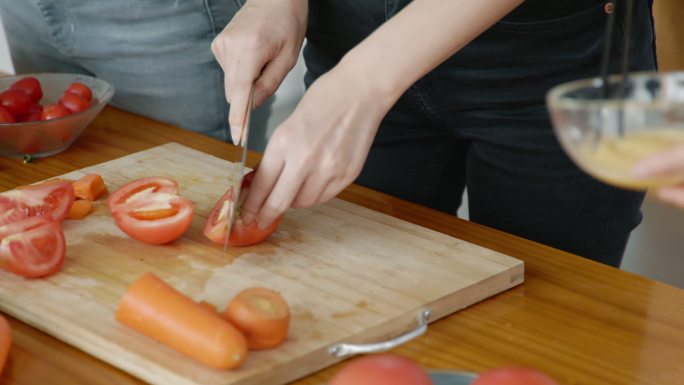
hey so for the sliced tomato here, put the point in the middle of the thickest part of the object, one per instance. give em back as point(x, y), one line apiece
point(32, 248)
point(6, 116)
point(241, 234)
point(52, 199)
point(150, 210)
point(11, 215)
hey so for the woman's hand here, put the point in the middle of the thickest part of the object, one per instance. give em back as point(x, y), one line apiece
point(320, 149)
point(667, 164)
point(259, 47)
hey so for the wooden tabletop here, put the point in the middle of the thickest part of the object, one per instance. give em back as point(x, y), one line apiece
point(579, 321)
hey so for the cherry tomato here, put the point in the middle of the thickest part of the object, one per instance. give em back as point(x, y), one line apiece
point(382, 369)
point(33, 247)
point(31, 86)
point(50, 199)
point(81, 90)
point(54, 111)
point(150, 210)
point(73, 102)
point(514, 376)
point(5, 341)
point(241, 234)
point(6, 116)
point(16, 101)
point(34, 113)
point(262, 315)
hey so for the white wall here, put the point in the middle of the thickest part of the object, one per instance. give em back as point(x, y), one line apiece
point(656, 249)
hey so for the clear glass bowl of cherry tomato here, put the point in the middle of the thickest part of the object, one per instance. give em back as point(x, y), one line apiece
point(43, 114)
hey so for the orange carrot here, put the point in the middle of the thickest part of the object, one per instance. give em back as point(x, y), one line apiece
point(5, 341)
point(157, 310)
point(90, 187)
point(80, 209)
point(208, 306)
point(262, 315)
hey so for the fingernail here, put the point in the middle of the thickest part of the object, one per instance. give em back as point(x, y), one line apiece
point(235, 134)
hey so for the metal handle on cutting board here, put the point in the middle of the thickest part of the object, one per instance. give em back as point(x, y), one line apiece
point(345, 350)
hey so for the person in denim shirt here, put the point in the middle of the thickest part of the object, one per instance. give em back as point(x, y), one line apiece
point(422, 98)
point(156, 53)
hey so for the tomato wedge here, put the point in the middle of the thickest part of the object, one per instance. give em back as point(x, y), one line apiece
point(51, 199)
point(150, 210)
point(32, 247)
point(241, 234)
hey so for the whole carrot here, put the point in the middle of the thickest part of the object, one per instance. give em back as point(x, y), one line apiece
point(157, 310)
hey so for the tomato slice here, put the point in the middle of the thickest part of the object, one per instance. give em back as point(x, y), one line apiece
point(150, 210)
point(32, 248)
point(11, 214)
point(241, 234)
point(52, 199)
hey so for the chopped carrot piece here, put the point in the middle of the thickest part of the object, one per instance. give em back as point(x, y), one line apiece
point(262, 315)
point(157, 310)
point(80, 209)
point(90, 187)
point(5, 341)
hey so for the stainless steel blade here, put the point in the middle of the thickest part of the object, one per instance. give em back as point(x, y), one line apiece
point(239, 170)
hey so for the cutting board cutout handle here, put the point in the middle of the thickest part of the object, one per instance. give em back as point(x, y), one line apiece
point(343, 350)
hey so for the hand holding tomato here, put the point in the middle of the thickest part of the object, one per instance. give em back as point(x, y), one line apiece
point(243, 233)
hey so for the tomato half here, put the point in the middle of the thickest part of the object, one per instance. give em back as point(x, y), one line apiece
point(514, 376)
point(81, 90)
point(51, 199)
point(30, 86)
point(241, 234)
point(150, 210)
point(33, 247)
point(382, 369)
point(11, 215)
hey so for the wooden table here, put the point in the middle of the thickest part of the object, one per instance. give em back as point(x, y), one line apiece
point(581, 322)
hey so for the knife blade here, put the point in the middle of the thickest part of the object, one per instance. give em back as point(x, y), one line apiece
point(238, 171)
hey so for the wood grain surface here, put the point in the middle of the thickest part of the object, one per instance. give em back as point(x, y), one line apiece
point(581, 322)
point(350, 274)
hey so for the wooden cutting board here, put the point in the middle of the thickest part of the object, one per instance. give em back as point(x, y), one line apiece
point(350, 275)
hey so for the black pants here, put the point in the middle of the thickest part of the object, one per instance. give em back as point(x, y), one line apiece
point(480, 120)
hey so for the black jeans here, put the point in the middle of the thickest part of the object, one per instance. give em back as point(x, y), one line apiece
point(480, 120)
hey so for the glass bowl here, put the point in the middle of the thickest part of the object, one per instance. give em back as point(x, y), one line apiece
point(49, 137)
point(608, 131)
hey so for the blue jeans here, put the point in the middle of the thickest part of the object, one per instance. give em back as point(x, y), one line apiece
point(479, 120)
point(156, 53)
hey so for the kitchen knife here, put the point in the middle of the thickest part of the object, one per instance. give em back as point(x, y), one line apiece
point(238, 171)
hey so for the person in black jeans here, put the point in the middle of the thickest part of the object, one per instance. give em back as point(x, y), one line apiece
point(420, 99)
